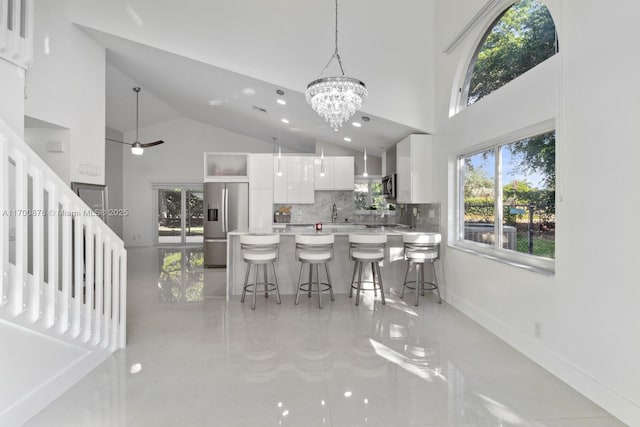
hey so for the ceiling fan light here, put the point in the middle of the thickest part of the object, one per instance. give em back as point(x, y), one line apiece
point(137, 149)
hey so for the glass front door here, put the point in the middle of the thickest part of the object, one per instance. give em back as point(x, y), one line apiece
point(179, 215)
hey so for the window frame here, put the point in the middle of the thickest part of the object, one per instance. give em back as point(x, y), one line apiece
point(183, 187)
point(371, 179)
point(459, 100)
point(496, 251)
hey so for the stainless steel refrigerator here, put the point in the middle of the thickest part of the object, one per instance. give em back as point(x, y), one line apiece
point(226, 208)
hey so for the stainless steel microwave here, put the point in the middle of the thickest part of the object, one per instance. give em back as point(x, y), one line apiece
point(389, 186)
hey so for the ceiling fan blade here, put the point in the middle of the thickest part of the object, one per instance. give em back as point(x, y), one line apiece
point(121, 142)
point(151, 144)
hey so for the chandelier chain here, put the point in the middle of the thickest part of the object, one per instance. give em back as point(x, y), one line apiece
point(336, 54)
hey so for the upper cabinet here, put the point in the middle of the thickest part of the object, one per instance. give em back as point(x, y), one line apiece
point(226, 166)
point(293, 180)
point(414, 169)
point(260, 190)
point(261, 170)
point(338, 173)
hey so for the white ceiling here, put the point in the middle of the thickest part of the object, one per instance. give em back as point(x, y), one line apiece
point(190, 54)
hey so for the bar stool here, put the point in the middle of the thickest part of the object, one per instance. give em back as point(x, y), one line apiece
point(367, 249)
point(313, 250)
point(420, 248)
point(260, 249)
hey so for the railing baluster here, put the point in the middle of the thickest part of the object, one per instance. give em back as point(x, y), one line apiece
point(4, 210)
point(22, 235)
point(88, 282)
point(78, 267)
point(115, 280)
point(123, 297)
point(97, 334)
point(4, 32)
point(51, 291)
point(65, 259)
point(36, 288)
point(107, 291)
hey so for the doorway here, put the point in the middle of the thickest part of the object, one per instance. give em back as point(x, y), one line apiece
point(179, 214)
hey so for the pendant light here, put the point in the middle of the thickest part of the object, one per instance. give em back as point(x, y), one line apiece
point(336, 98)
point(365, 174)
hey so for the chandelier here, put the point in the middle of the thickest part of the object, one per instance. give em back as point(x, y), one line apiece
point(336, 98)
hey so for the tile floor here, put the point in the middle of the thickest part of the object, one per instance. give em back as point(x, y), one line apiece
point(194, 359)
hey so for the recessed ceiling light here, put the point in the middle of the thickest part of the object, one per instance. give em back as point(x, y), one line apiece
point(285, 121)
point(356, 124)
point(217, 101)
point(346, 138)
point(280, 92)
point(260, 109)
point(248, 91)
point(281, 101)
point(365, 118)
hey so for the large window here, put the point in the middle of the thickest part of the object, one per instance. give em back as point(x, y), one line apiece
point(520, 38)
point(507, 198)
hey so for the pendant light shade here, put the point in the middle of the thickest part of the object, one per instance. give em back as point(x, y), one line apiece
point(136, 148)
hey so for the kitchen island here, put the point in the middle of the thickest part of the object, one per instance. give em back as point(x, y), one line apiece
point(341, 268)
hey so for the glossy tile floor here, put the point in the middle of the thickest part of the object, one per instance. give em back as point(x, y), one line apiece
point(194, 359)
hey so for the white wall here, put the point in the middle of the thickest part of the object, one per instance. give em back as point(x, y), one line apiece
point(39, 139)
point(179, 160)
point(66, 87)
point(588, 309)
point(113, 178)
point(12, 99)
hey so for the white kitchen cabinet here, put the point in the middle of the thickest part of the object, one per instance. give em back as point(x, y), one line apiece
point(338, 173)
point(280, 175)
point(414, 169)
point(261, 170)
point(296, 182)
point(226, 167)
point(260, 190)
point(260, 208)
point(343, 173)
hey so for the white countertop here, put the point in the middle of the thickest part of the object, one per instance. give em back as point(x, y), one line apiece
point(338, 229)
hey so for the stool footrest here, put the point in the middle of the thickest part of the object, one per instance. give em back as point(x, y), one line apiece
point(432, 286)
point(250, 287)
point(377, 287)
point(305, 287)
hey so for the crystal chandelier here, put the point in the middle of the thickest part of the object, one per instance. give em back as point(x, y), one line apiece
point(336, 98)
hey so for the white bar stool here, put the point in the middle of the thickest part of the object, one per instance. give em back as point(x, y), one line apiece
point(367, 249)
point(420, 248)
point(260, 249)
point(313, 250)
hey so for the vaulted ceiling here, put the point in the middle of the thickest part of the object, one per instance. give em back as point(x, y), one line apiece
point(221, 62)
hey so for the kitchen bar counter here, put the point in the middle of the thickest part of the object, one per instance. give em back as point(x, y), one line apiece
point(341, 268)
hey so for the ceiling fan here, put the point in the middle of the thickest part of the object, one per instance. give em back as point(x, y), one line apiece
point(136, 147)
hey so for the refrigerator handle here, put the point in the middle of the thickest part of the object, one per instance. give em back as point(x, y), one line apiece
point(224, 211)
point(226, 207)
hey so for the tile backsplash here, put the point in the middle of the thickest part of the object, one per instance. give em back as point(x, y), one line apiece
point(320, 211)
point(427, 216)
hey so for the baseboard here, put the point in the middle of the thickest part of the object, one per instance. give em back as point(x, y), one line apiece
point(604, 396)
point(29, 406)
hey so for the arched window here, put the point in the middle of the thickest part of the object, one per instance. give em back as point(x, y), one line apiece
point(520, 38)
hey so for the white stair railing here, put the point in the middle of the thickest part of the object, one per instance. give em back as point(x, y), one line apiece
point(16, 31)
point(63, 269)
